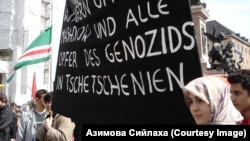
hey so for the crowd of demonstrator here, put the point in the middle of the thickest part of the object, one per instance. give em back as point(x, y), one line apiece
point(37, 123)
point(210, 100)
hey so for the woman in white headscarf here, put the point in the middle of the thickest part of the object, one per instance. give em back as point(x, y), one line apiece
point(208, 99)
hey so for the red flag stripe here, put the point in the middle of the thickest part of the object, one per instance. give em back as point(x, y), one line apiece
point(40, 51)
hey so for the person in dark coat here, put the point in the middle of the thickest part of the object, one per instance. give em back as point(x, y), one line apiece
point(8, 120)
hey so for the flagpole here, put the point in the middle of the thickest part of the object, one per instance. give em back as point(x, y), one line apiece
point(51, 59)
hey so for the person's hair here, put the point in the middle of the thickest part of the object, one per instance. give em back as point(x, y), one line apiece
point(242, 77)
point(32, 103)
point(3, 98)
point(13, 104)
point(48, 97)
point(40, 92)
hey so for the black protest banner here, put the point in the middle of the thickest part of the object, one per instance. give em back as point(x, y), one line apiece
point(125, 61)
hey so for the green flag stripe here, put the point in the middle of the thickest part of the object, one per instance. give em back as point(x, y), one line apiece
point(43, 39)
point(11, 76)
point(30, 62)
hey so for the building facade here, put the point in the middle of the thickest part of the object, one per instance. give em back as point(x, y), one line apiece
point(202, 24)
point(21, 22)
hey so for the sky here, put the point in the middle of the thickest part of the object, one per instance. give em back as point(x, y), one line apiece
point(234, 14)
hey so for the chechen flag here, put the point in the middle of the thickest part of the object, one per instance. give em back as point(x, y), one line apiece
point(38, 51)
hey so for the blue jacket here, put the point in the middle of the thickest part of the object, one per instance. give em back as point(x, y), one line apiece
point(27, 128)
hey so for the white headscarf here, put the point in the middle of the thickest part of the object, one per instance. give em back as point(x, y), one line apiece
point(216, 93)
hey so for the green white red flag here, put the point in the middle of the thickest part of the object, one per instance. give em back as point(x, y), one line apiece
point(38, 51)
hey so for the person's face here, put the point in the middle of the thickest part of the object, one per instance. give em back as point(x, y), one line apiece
point(48, 106)
point(240, 98)
point(1, 104)
point(13, 107)
point(199, 109)
point(40, 100)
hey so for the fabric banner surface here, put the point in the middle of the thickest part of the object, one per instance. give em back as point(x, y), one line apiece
point(125, 62)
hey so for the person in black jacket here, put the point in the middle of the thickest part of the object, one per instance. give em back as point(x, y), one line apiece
point(7, 120)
